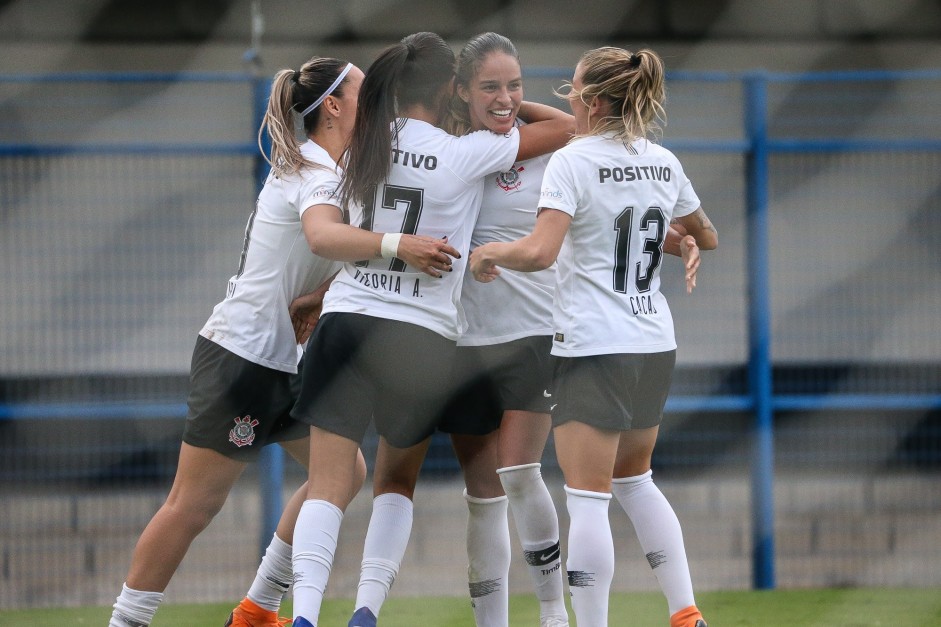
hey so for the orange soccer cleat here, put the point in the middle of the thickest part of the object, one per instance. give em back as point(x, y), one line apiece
point(250, 614)
point(688, 617)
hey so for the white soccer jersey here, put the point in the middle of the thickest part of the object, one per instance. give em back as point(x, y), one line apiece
point(518, 304)
point(276, 267)
point(621, 198)
point(433, 189)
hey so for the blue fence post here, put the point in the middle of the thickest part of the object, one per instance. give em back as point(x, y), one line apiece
point(271, 462)
point(759, 331)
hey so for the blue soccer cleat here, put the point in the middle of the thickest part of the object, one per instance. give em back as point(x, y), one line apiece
point(363, 617)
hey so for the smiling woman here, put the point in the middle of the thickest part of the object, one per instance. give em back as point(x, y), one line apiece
point(490, 82)
point(392, 329)
point(499, 419)
point(613, 333)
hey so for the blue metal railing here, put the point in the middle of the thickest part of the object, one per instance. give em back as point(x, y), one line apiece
point(757, 146)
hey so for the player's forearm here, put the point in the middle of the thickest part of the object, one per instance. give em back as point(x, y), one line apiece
point(671, 244)
point(343, 242)
point(701, 228)
point(544, 137)
point(524, 255)
point(531, 112)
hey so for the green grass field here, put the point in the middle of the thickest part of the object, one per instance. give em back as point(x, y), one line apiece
point(785, 608)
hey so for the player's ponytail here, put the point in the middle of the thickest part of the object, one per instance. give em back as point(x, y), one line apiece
point(631, 83)
point(294, 92)
point(411, 72)
point(369, 156)
point(642, 107)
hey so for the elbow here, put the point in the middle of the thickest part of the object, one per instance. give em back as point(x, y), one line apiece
point(540, 259)
point(318, 246)
point(708, 241)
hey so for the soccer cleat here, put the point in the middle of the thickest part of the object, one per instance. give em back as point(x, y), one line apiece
point(363, 617)
point(688, 617)
point(300, 621)
point(250, 614)
point(554, 621)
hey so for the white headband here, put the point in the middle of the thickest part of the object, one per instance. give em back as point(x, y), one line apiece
point(329, 91)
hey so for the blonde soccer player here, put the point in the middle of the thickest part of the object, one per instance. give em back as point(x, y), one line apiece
point(606, 203)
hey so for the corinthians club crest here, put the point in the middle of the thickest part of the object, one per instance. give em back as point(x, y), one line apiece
point(243, 433)
point(510, 180)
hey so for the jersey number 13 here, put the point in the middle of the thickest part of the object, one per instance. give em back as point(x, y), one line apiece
point(652, 225)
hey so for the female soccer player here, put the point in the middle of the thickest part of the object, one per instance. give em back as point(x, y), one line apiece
point(243, 381)
point(499, 420)
point(385, 342)
point(606, 203)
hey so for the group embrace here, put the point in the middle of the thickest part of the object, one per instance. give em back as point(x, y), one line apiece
point(439, 255)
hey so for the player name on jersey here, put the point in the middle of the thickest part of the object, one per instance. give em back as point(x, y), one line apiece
point(404, 157)
point(386, 282)
point(642, 305)
point(635, 173)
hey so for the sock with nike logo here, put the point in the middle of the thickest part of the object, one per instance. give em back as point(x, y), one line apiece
point(537, 525)
point(134, 608)
point(274, 575)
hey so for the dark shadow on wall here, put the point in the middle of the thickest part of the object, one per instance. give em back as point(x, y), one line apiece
point(180, 21)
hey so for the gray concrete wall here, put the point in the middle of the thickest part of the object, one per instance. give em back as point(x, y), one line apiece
point(117, 260)
point(865, 530)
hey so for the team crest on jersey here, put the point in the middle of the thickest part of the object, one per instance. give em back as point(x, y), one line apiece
point(510, 180)
point(243, 433)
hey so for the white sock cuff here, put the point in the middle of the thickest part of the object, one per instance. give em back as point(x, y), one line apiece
point(393, 499)
point(647, 476)
point(327, 505)
point(141, 595)
point(381, 564)
point(476, 500)
point(588, 494)
point(500, 471)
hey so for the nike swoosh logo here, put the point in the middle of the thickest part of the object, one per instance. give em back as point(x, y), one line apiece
point(131, 623)
point(543, 556)
point(546, 394)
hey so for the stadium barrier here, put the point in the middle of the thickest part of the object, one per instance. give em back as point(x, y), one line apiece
point(124, 196)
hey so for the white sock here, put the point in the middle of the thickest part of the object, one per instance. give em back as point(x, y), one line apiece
point(488, 560)
point(273, 577)
point(390, 526)
point(590, 562)
point(660, 536)
point(537, 524)
point(315, 542)
point(134, 608)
